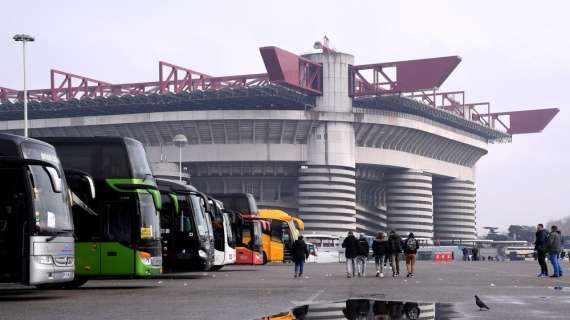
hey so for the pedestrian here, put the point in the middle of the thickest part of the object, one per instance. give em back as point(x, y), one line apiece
point(300, 254)
point(540, 242)
point(475, 252)
point(465, 252)
point(363, 250)
point(411, 247)
point(553, 247)
point(350, 245)
point(394, 250)
point(379, 250)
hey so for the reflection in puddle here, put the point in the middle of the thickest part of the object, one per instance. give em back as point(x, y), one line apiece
point(366, 309)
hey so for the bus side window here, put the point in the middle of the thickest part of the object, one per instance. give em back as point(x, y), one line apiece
point(276, 231)
point(117, 222)
point(87, 227)
point(186, 225)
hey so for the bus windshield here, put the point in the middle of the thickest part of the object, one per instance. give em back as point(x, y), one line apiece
point(137, 158)
point(201, 222)
point(150, 221)
point(229, 233)
point(256, 233)
point(243, 203)
point(51, 208)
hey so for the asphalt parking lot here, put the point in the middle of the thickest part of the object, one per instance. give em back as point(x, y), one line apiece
point(247, 292)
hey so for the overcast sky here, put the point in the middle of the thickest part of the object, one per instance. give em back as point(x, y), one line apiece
point(516, 54)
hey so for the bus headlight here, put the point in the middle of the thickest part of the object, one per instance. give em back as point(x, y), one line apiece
point(45, 260)
point(146, 258)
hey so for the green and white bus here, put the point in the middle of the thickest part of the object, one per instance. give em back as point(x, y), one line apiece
point(36, 228)
point(122, 238)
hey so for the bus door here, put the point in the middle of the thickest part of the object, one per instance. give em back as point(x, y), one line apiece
point(277, 244)
point(14, 234)
point(289, 236)
point(117, 253)
point(168, 213)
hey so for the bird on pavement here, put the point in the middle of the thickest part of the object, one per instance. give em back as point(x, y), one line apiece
point(480, 303)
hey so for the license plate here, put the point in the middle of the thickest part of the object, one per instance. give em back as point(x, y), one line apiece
point(66, 275)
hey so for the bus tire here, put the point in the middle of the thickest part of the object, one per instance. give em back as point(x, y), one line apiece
point(49, 286)
point(216, 268)
point(264, 258)
point(75, 284)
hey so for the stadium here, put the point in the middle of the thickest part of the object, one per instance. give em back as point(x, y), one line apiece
point(345, 147)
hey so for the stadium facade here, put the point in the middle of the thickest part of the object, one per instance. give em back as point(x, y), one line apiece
point(343, 146)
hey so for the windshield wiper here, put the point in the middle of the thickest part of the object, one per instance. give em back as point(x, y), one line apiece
point(58, 233)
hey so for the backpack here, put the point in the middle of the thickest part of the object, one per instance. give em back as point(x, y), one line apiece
point(411, 244)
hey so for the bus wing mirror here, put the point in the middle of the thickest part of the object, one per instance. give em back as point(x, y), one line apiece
point(91, 183)
point(56, 182)
point(50, 168)
point(78, 202)
point(82, 178)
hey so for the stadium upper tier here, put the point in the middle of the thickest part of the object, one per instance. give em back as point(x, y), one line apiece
point(292, 82)
point(271, 97)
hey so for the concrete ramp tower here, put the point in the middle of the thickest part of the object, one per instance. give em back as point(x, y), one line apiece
point(327, 183)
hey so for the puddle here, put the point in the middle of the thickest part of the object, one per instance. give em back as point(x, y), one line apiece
point(365, 309)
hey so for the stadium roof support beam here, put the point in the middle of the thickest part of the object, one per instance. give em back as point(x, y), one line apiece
point(291, 70)
point(8, 95)
point(68, 88)
point(179, 83)
point(521, 122)
point(400, 76)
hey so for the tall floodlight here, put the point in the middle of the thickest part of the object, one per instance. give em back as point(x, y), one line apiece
point(180, 141)
point(23, 38)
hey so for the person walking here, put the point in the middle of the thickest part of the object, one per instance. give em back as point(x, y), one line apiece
point(553, 247)
point(350, 245)
point(475, 252)
point(540, 243)
point(300, 253)
point(362, 258)
point(379, 250)
point(411, 247)
point(394, 250)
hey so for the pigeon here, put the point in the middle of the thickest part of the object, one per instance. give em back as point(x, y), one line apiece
point(480, 303)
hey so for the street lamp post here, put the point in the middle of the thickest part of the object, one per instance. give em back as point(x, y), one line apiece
point(180, 140)
point(23, 38)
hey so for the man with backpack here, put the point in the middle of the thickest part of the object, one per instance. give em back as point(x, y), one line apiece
point(350, 245)
point(394, 250)
point(411, 246)
point(362, 258)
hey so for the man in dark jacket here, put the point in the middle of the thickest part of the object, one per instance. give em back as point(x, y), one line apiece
point(379, 250)
point(411, 246)
point(350, 245)
point(553, 246)
point(394, 250)
point(362, 258)
point(300, 253)
point(540, 242)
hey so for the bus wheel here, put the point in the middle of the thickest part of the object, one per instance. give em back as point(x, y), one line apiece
point(49, 286)
point(264, 258)
point(76, 283)
point(216, 268)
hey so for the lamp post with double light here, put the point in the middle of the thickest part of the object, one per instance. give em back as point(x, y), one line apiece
point(23, 38)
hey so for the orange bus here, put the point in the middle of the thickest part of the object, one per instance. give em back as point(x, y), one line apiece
point(279, 236)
